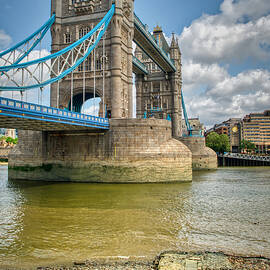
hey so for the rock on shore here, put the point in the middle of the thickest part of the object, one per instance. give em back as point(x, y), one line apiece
point(175, 261)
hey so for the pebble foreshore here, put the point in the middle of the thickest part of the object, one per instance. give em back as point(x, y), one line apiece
point(173, 261)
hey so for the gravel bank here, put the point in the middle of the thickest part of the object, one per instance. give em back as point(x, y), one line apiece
point(175, 261)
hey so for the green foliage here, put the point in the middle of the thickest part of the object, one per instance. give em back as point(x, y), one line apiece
point(3, 138)
point(212, 141)
point(9, 140)
point(224, 143)
point(247, 145)
point(219, 143)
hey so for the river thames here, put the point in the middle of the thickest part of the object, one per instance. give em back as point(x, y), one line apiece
point(45, 223)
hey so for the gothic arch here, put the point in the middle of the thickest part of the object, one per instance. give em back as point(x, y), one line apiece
point(78, 97)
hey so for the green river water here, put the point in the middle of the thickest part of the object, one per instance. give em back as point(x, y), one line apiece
point(48, 223)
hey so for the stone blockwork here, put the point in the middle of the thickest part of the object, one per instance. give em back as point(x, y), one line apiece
point(159, 93)
point(73, 20)
point(132, 151)
point(202, 156)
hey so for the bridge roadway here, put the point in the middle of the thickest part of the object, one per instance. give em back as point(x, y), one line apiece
point(139, 67)
point(16, 114)
point(148, 44)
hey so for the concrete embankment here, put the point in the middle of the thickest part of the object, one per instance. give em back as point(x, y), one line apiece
point(173, 261)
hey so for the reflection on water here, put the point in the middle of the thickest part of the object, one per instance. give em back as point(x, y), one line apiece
point(41, 223)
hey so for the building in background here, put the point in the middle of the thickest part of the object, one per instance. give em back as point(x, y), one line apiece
point(11, 133)
point(8, 133)
point(254, 127)
point(232, 128)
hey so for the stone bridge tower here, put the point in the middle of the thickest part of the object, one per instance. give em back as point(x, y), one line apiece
point(159, 93)
point(75, 18)
point(132, 150)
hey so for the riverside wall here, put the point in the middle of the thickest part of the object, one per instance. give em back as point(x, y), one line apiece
point(132, 151)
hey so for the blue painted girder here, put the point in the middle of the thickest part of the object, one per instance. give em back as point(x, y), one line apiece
point(28, 116)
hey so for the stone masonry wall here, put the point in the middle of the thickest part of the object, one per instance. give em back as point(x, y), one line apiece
point(202, 156)
point(133, 150)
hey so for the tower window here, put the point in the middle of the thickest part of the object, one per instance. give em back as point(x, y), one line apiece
point(87, 64)
point(98, 64)
point(67, 38)
point(83, 32)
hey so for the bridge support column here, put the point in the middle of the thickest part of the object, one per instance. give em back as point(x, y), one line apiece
point(130, 64)
point(116, 81)
point(56, 33)
point(176, 106)
point(122, 32)
point(139, 90)
point(203, 158)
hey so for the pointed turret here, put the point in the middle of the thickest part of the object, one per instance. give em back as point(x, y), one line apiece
point(174, 49)
point(160, 39)
point(174, 42)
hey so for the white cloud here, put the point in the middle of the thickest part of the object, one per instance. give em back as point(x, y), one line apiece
point(236, 96)
point(29, 95)
point(213, 44)
point(243, 10)
point(5, 40)
point(91, 106)
point(198, 74)
point(242, 84)
point(226, 37)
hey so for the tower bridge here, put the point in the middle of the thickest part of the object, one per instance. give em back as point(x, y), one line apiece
point(92, 56)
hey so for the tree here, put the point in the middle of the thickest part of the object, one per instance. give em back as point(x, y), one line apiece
point(9, 140)
point(212, 141)
point(3, 138)
point(224, 143)
point(219, 143)
point(247, 145)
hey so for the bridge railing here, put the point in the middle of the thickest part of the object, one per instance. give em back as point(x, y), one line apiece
point(50, 111)
point(244, 156)
point(140, 65)
point(152, 40)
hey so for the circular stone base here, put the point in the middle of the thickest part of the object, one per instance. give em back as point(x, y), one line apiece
point(132, 151)
point(203, 158)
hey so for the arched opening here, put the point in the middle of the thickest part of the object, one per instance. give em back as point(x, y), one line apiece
point(90, 106)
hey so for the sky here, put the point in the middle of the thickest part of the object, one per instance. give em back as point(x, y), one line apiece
point(225, 46)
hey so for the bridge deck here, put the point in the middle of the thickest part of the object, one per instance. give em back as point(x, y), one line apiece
point(28, 116)
point(139, 67)
point(148, 44)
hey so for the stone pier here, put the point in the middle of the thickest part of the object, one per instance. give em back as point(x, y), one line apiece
point(132, 151)
point(203, 158)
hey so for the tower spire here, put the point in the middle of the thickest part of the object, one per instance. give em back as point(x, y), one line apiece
point(174, 43)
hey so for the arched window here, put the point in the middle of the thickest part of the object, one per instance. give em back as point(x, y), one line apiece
point(83, 32)
point(98, 64)
point(67, 38)
point(87, 64)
